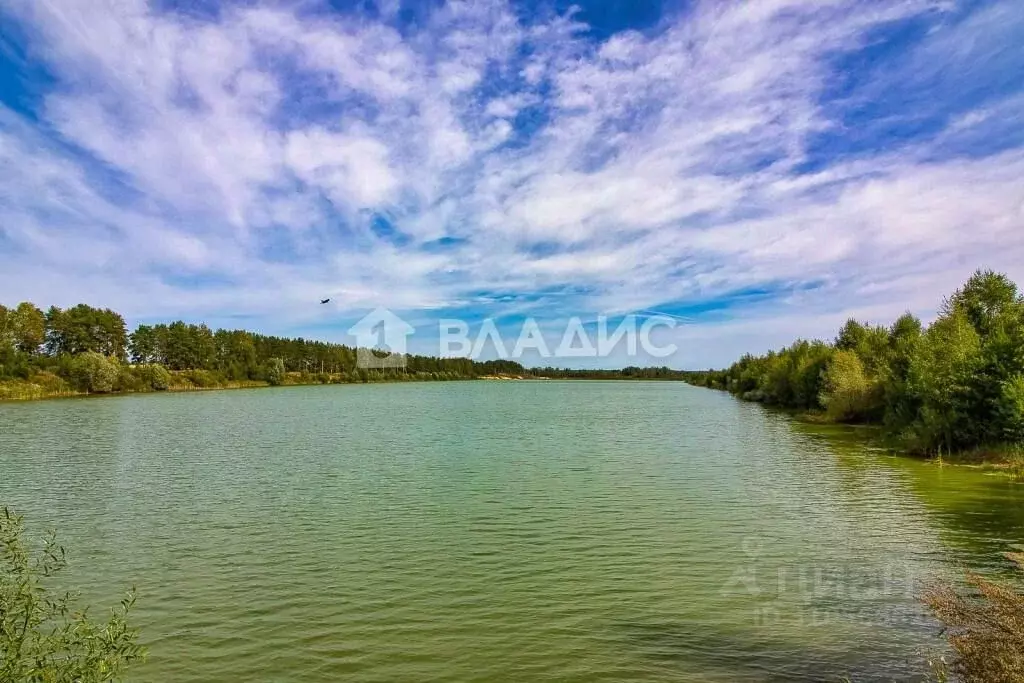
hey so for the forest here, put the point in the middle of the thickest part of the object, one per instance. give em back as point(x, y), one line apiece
point(83, 349)
point(89, 350)
point(955, 385)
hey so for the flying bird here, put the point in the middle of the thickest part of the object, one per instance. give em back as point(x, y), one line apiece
point(324, 301)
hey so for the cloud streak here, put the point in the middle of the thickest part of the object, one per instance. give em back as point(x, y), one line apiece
point(845, 156)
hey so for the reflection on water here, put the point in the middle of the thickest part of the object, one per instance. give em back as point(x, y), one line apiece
point(499, 531)
point(979, 514)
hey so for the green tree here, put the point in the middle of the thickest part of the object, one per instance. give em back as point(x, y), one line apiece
point(43, 638)
point(986, 298)
point(29, 328)
point(851, 336)
point(901, 406)
point(940, 374)
point(6, 327)
point(7, 350)
point(83, 328)
point(847, 394)
point(142, 345)
point(1011, 410)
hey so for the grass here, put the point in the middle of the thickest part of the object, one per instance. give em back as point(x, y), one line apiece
point(40, 385)
point(1004, 458)
point(984, 622)
point(45, 385)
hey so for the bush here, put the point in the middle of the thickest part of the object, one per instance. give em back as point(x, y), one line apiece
point(274, 372)
point(848, 395)
point(129, 380)
point(159, 377)
point(42, 637)
point(985, 625)
point(154, 376)
point(50, 383)
point(1011, 409)
point(204, 379)
point(95, 373)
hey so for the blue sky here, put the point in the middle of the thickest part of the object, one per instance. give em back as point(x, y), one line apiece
point(763, 168)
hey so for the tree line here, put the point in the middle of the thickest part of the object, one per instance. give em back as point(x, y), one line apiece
point(954, 385)
point(87, 349)
point(631, 372)
point(90, 349)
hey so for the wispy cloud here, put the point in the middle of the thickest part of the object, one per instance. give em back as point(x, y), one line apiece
point(843, 156)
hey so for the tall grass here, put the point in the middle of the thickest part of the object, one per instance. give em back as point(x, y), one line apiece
point(985, 624)
point(39, 385)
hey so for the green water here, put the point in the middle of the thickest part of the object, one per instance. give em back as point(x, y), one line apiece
point(498, 531)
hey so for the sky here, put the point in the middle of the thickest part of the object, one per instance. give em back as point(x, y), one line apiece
point(761, 170)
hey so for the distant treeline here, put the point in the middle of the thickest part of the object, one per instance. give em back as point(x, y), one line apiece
point(89, 350)
point(624, 373)
point(955, 385)
point(86, 349)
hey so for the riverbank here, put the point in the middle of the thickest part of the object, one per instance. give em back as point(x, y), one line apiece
point(45, 386)
point(952, 390)
point(140, 380)
point(1005, 459)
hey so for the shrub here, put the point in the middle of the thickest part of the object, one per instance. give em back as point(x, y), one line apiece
point(154, 376)
point(204, 379)
point(847, 394)
point(1011, 409)
point(42, 637)
point(129, 380)
point(159, 377)
point(274, 371)
point(95, 373)
point(50, 383)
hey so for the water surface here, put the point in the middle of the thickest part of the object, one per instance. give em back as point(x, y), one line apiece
point(486, 531)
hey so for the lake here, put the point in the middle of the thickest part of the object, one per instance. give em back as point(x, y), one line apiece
point(499, 531)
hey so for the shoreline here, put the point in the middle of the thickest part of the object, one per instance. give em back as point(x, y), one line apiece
point(34, 392)
point(1003, 459)
point(21, 391)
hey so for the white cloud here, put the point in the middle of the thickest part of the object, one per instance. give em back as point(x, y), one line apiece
point(353, 168)
point(231, 167)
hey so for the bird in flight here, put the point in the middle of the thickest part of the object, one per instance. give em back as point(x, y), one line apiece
point(324, 301)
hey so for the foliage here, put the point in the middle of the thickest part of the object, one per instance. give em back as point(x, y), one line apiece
point(940, 375)
point(29, 328)
point(83, 328)
point(511, 368)
point(985, 625)
point(95, 373)
point(43, 638)
point(182, 355)
point(956, 385)
point(847, 394)
point(275, 371)
point(203, 379)
point(158, 376)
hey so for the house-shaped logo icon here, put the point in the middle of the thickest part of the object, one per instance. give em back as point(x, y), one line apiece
point(381, 340)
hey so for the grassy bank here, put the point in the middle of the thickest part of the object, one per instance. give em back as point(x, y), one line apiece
point(49, 386)
point(1006, 459)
